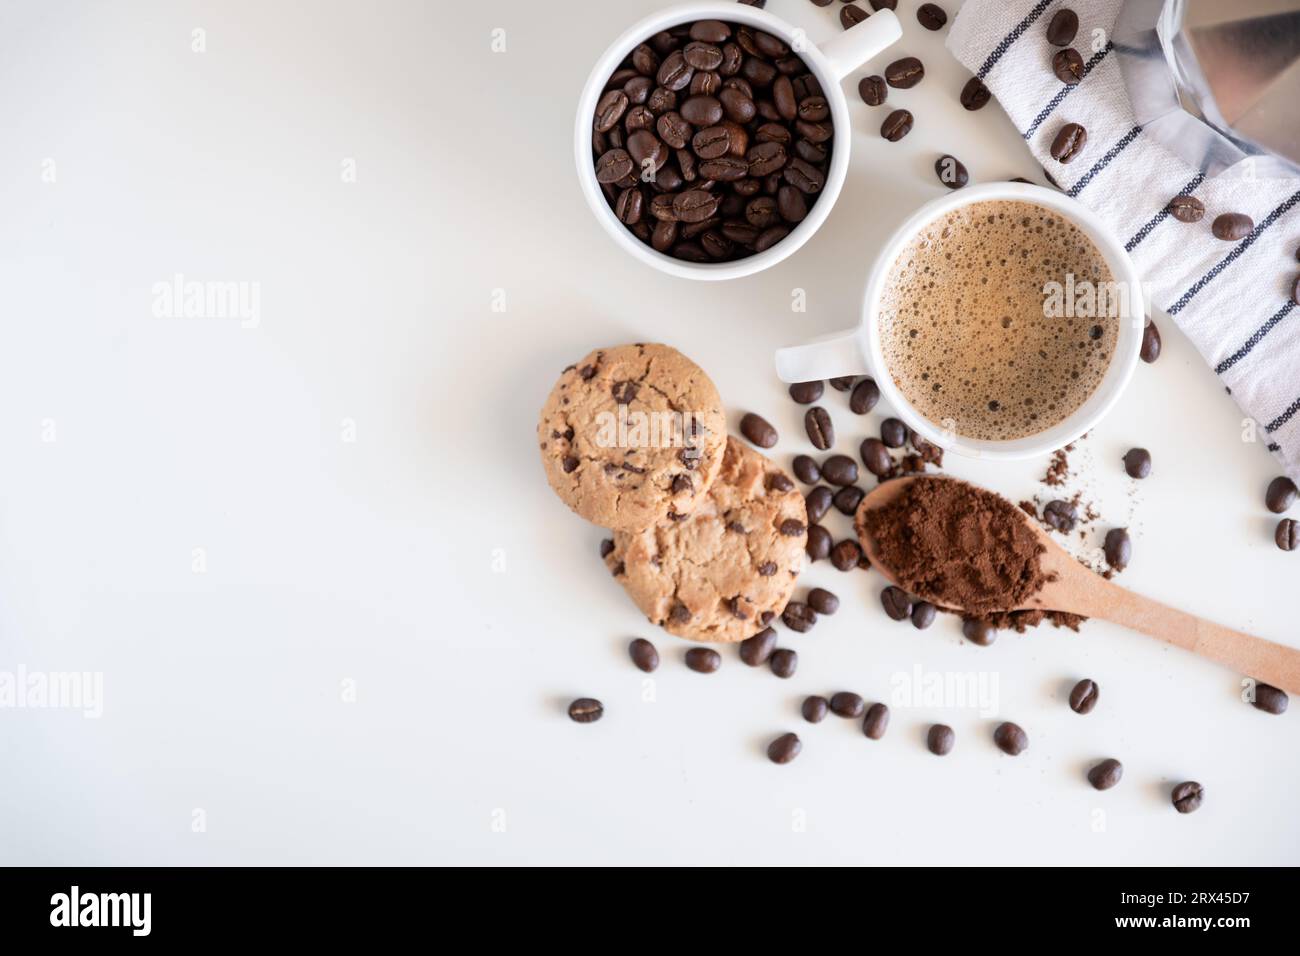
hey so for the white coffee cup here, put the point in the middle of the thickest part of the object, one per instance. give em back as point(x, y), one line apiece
point(859, 351)
point(830, 64)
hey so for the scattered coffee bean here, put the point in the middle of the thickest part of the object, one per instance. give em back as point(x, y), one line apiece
point(847, 704)
point(873, 90)
point(975, 95)
point(846, 555)
point(940, 739)
point(893, 433)
point(805, 468)
point(865, 396)
point(819, 543)
point(757, 649)
point(875, 456)
point(784, 662)
point(978, 631)
point(1062, 27)
point(1067, 64)
point(1187, 796)
point(1281, 495)
point(805, 393)
point(896, 602)
point(896, 125)
point(1186, 209)
point(784, 749)
point(821, 432)
point(1270, 699)
point(814, 709)
point(1118, 548)
point(1150, 343)
point(840, 470)
point(1232, 226)
point(1287, 534)
point(851, 15)
point(1011, 738)
point(799, 617)
point(1061, 515)
point(758, 430)
point(847, 500)
point(823, 601)
point(703, 660)
point(951, 172)
point(818, 502)
point(1069, 142)
point(586, 710)
point(643, 655)
point(876, 722)
point(884, 4)
point(923, 615)
point(843, 383)
point(606, 547)
point(1137, 463)
point(905, 73)
point(1083, 698)
point(931, 16)
point(1106, 774)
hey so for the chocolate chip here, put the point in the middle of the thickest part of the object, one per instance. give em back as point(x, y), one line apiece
point(784, 749)
point(873, 90)
point(931, 16)
point(1061, 515)
point(799, 617)
point(1187, 796)
point(682, 484)
point(896, 602)
point(1062, 28)
point(606, 547)
point(758, 430)
point(876, 722)
point(806, 469)
point(767, 569)
point(805, 393)
point(923, 615)
point(1067, 64)
point(586, 710)
point(680, 614)
point(783, 662)
point(814, 709)
point(951, 172)
point(1232, 226)
point(757, 649)
point(978, 631)
point(847, 499)
point(1106, 774)
point(821, 432)
point(1150, 343)
point(819, 543)
point(975, 95)
point(779, 482)
point(896, 125)
point(703, 660)
point(643, 655)
point(1069, 142)
point(1084, 696)
point(865, 396)
point(940, 739)
point(1287, 534)
point(1269, 699)
point(1186, 209)
point(845, 555)
point(569, 464)
point(1281, 495)
point(823, 601)
point(847, 704)
point(792, 527)
point(1011, 738)
point(875, 456)
point(1118, 548)
point(905, 73)
point(817, 502)
point(1137, 463)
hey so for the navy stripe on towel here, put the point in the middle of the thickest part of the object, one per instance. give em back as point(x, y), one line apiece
point(992, 59)
point(1162, 215)
point(1282, 419)
point(1255, 339)
point(1104, 161)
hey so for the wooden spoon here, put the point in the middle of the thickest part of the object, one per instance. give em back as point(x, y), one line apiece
point(1078, 590)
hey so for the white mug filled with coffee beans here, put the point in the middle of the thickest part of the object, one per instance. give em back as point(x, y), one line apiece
point(706, 137)
point(1001, 321)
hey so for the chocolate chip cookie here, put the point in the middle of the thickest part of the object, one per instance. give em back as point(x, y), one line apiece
point(632, 435)
point(723, 572)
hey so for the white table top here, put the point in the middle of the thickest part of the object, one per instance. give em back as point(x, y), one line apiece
point(394, 608)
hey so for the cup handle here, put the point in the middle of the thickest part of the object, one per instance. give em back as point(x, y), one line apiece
point(830, 356)
point(858, 44)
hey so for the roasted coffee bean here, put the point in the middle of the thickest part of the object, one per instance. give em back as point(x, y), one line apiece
point(865, 396)
point(846, 555)
point(1287, 534)
point(757, 649)
point(1187, 796)
point(643, 655)
point(737, 106)
point(1118, 548)
point(821, 432)
point(823, 601)
point(645, 60)
point(783, 662)
point(701, 111)
point(709, 31)
point(951, 172)
point(1084, 696)
point(703, 660)
point(805, 468)
point(674, 72)
point(1269, 699)
point(758, 430)
point(798, 616)
point(770, 237)
point(975, 95)
point(1011, 738)
point(931, 16)
point(805, 393)
point(638, 118)
point(761, 74)
point(1061, 515)
point(905, 73)
point(1186, 209)
point(674, 130)
point(923, 614)
point(630, 205)
point(610, 110)
point(893, 433)
point(614, 166)
point(1062, 28)
point(848, 704)
point(1106, 774)
point(741, 232)
point(586, 710)
point(783, 98)
point(695, 205)
point(784, 749)
point(940, 739)
point(702, 56)
point(978, 631)
point(661, 100)
point(766, 158)
point(1150, 343)
point(896, 602)
point(876, 722)
point(1232, 226)
point(1069, 142)
point(884, 4)
point(804, 176)
point(791, 205)
point(814, 109)
point(818, 502)
point(814, 709)
point(1137, 463)
point(875, 456)
point(840, 470)
point(1067, 64)
point(761, 212)
point(847, 499)
point(1281, 495)
point(724, 169)
point(851, 15)
point(819, 542)
point(873, 90)
point(606, 547)
point(896, 125)
point(843, 383)
point(664, 235)
point(711, 143)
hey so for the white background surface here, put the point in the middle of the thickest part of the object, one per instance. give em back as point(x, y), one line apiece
point(378, 561)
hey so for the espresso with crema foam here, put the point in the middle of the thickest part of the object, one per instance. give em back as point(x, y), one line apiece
point(988, 325)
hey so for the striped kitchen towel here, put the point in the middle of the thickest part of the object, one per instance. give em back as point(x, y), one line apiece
point(1232, 299)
